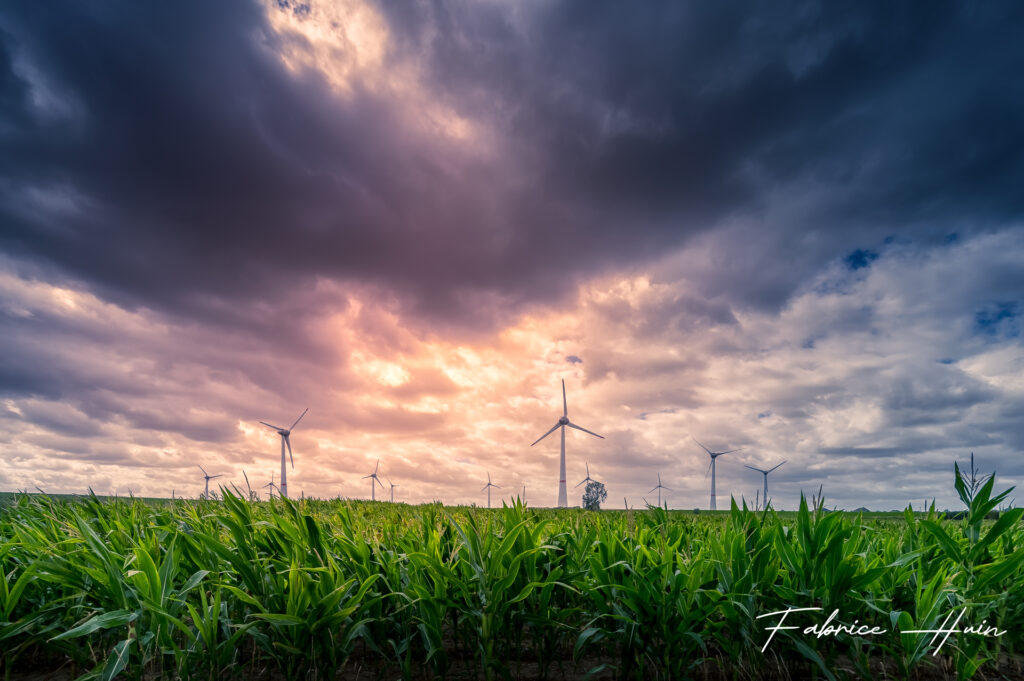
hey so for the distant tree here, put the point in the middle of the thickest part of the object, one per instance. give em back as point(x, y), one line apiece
point(594, 496)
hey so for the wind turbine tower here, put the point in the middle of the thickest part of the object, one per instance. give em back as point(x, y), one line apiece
point(374, 480)
point(488, 487)
point(285, 434)
point(711, 467)
point(564, 421)
point(208, 477)
point(765, 474)
point(393, 486)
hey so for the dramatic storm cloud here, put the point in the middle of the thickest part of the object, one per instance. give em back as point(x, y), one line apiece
point(792, 229)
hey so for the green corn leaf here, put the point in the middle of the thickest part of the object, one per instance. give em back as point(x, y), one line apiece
point(107, 620)
point(116, 662)
point(948, 545)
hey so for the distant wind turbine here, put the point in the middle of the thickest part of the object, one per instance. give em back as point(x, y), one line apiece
point(588, 478)
point(711, 467)
point(393, 486)
point(659, 488)
point(765, 473)
point(564, 421)
point(208, 477)
point(488, 487)
point(271, 485)
point(374, 480)
point(285, 434)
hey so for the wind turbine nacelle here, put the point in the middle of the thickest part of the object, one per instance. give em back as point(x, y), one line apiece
point(564, 421)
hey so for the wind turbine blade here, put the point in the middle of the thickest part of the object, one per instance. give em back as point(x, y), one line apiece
point(581, 482)
point(588, 469)
point(368, 476)
point(379, 482)
point(731, 451)
point(553, 429)
point(485, 487)
point(288, 441)
point(565, 403)
point(754, 469)
point(770, 470)
point(710, 464)
point(377, 467)
point(498, 486)
point(573, 425)
point(203, 470)
point(668, 488)
point(298, 419)
point(701, 446)
point(268, 425)
point(654, 488)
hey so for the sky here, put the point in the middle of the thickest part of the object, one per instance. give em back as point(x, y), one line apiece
point(793, 229)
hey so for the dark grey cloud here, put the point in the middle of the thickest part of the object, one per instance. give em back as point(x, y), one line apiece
point(166, 156)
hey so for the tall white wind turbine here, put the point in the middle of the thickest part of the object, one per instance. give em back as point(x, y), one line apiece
point(711, 467)
point(270, 485)
point(488, 487)
point(374, 480)
point(393, 486)
point(563, 499)
point(659, 488)
point(286, 441)
point(765, 474)
point(208, 477)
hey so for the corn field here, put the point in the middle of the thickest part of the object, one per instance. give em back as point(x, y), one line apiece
point(105, 588)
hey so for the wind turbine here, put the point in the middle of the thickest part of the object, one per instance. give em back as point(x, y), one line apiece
point(271, 485)
point(488, 487)
point(562, 423)
point(765, 473)
point(588, 478)
point(285, 434)
point(659, 488)
point(374, 479)
point(711, 467)
point(208, 477)
point(393, 486)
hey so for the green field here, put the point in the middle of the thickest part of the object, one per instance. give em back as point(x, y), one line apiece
point(342, 589)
